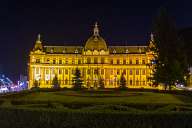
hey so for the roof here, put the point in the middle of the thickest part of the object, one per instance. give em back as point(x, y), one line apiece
point(79, 49)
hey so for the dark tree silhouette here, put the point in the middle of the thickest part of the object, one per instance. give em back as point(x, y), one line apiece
point(55, 82)
point(77, 82)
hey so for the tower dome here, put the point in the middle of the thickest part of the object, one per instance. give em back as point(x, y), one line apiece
point(95, 42)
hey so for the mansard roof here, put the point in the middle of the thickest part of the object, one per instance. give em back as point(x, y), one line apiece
point(79, 49)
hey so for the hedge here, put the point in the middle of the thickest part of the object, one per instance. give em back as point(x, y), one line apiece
point(34, 118)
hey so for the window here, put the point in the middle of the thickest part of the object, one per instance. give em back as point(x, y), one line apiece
point(88, 71)
point(137, 72)
point(130, 72)
point(124, 71)
point(73, 61)
point(102, 60)
point(95, 60)
point(37, 71)
point(66, 81)
point(60, 61)
point(54, 61)
point(79, 61)
point(66, 61)
point(137, 82)
point(130, 61)
point(102, 71)
point(118, 71)
point(130, 82)
point(95, 71)
point(66, 71)
point(144, 82)
point(118, 61)
point(111, 61)
point(143, 61)
point(143, 72)
point(47, 71)
point(37, 60)
point(124, 61)
point(88, 60)
point(60, 71)
point(111, 72)
point(137, 61)
point(48, 60)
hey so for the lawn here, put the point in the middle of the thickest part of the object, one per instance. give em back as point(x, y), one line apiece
point(116, 109)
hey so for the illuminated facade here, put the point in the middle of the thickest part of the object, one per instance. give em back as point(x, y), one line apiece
point(95, 60)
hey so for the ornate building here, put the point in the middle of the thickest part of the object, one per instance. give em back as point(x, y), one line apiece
point(96, 60)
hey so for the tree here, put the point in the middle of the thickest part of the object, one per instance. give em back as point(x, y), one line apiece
point(122, 82)
point(170, 61)
point(55, 82)
point(101, 83)
point(77, 82)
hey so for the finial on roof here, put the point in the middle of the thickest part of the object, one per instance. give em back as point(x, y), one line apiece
point(96, 30)
point(39, 37)
point(152, 37)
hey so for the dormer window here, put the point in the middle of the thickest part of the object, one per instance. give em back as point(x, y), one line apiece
point(114, 51)
point(127, 51)
point(76, 51)
point(51, 50)
point(37, 60)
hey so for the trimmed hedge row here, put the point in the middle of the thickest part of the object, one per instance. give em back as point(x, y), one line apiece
point(30, 118)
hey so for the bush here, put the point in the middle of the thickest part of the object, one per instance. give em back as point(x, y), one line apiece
point(35, 118)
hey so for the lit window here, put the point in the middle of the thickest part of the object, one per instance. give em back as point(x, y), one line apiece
point(88, 71)
point(60, 71)
point(124, 61)
point(37, 71)
point(66, 81)
point(143, 72)
point(124, 71)
point(79, 61)
point(118, 71)
point(118, 61)
point(137, 82)
point(102, 60)
point(95, 60)
point(131, 72)
point(73, 61)
point(102, 71)
point(47, 71)
point(60, 61)
point(88, 60)
point(130, 61)
point(37, 60)
point(47, 60)
point(111, 61)
point(54, 61)
point(144, 82)
point(137, 61)
point(131, 82)
point(66, 71)
point(143, 61)
point(137, 72)
point(66, 61)
point(95, 71)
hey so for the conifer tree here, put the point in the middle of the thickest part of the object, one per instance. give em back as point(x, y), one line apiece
point(77, 82)
point(55, 82)
point(169, 61)
point(101, 83)
point(122, 82)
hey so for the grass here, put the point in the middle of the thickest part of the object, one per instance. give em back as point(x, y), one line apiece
point(96, 109)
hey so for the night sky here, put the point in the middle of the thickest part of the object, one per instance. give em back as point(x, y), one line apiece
point(71, 22)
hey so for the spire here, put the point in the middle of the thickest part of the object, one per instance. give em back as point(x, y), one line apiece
point(38, 43)
point(39, 38)
point(152, 37)
point(96, 30)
